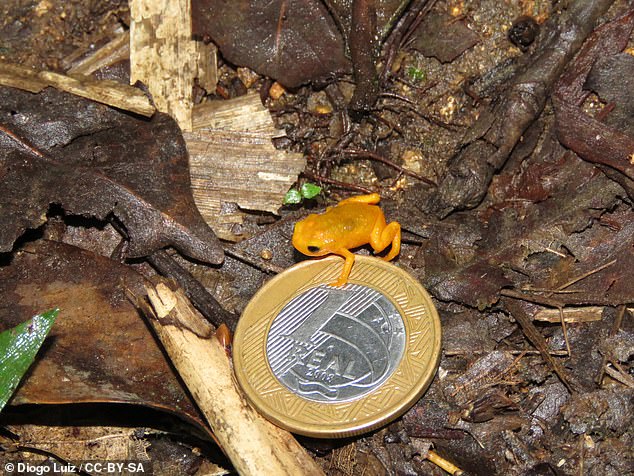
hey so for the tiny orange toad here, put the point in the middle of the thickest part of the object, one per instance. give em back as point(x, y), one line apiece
point(353, 222)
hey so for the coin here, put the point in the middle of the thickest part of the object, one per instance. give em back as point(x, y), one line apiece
point(328, 361)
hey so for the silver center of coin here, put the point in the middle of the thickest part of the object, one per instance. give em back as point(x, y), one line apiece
point(336, 344)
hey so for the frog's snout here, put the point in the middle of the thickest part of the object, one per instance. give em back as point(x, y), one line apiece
point(302, 240)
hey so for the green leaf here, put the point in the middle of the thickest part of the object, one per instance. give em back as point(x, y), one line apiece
point(310, 190)
point(416, 74)
point(292, 197)
point(18, 347)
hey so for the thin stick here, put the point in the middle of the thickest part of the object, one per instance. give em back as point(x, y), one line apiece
point(534, 299)
point(454, 353)
point(337, 183)
point(564, 329)
point(443, 463)
point(23, 142)
point(620, 374)
point(376, 157)
point(252, 260)
point(585, 275)
point(533, 335)
point(202, 299)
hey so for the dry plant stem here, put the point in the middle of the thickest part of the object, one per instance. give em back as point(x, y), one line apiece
point(585, 275)
point(107, 92)
point(252, 260)
point(337, 183)
point(24, 143)
point(571, 314)
point(620, 374)
point(202, 299)
point(443, 463)
point(114, 51)
point(403, 30)
point(530, 298)
point(537, 340)
point(254, 446)
point(451, 353)
point(363, 51)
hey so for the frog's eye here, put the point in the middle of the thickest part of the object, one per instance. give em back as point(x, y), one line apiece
point(313, 249)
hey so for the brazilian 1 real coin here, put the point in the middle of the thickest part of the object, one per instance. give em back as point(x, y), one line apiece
point(328, 361)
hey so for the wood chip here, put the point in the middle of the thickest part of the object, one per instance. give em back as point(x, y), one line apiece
point(571, 314)
point(234, 165)
point(165, 58)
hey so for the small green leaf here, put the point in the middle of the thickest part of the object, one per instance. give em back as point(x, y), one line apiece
point(416, 74)
point(292, 197)
point(18, 347)
point(310, 190)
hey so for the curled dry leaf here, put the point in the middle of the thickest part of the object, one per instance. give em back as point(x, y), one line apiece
point(96, 161)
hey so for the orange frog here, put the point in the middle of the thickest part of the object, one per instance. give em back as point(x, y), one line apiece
point(353, 222)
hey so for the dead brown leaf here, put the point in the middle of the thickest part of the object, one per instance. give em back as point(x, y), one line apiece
point(96, 161)
point(100, 349)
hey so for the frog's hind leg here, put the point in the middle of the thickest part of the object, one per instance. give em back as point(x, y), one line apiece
point(370, 199)
point(383, 236)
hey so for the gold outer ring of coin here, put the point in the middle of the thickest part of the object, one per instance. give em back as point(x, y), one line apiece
point(401, 390)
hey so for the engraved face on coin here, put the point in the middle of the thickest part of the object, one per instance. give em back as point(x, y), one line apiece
point(335, 344)
point(337, 361)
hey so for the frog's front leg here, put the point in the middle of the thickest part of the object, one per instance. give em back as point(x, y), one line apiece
point(384, 235)
point(347, 266)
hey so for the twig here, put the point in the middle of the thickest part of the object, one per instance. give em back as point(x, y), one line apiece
point(431, 119)
point(533, 335)
point(378, 158)
point(23, 142)
point(252, 260)
point(363, 51)
point(534, 299)
point(564, 329)
point(202, 299)
point(388, 94)
point(585, 275)
point(559, 306)
point(453, 353)
point(619, 373)
point(337, 183)
point(403, 30)
point(444, 464)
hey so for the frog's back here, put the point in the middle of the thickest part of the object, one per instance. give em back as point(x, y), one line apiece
point(354, 222)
